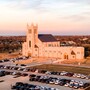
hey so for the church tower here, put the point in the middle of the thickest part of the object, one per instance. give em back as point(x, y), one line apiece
point(32, 38)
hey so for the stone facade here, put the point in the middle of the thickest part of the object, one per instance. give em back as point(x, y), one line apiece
point(45, 45)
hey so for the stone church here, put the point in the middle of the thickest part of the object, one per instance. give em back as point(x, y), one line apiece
point(45, 45)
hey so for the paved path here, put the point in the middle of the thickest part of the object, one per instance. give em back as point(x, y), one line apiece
point(35, 63)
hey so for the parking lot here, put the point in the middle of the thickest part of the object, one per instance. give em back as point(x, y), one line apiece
point(9, 80)
point(59, 80)
point(17, 76)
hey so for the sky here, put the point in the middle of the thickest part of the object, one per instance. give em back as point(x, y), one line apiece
point(58, 17)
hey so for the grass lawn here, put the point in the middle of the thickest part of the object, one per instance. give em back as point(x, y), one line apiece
point(59, 68)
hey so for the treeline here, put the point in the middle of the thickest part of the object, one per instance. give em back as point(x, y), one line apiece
point(11, 43)
point(18, 38)
point(79, 40)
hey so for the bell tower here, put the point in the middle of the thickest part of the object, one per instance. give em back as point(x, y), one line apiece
point(32, 38)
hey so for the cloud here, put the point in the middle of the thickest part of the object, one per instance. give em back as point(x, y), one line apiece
point(62, 15)
point(44, 6)
point(22, 4)
point(76, 17)
point(83, 17)
point(58, 9)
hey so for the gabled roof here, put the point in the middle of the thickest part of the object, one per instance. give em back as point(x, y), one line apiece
point(46, 38)
point(73, 53)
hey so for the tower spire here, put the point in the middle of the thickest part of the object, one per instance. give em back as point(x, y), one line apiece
point(27, 25)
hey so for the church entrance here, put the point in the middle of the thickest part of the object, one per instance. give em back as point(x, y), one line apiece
point(65, 56)
point(29, 54)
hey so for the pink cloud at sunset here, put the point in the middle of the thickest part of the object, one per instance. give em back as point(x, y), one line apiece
point(67, 17)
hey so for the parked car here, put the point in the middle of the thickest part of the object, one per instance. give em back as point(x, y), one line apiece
point(2, 73)
point(87, 77)
point(1, 61)
point(26, 86)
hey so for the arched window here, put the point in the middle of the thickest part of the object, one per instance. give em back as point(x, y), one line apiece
point(29, 43)
point(29, 31)
point(35, 31)
point(65, 56)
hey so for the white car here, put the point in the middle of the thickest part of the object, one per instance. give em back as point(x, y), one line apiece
point(57, 82)
point(52, 81)
point(78, 75)
point(75, 75)
point(83, 76)
point(87, 77)
point(48, 73)
point(14, 73)
point(76, 86)
point(81, 83)
point(66, 85)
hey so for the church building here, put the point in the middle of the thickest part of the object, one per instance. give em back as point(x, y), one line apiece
point(46, 46)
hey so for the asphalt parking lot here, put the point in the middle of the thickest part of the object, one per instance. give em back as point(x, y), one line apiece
point(9, 80)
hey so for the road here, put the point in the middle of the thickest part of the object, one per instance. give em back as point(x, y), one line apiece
point(45, 62)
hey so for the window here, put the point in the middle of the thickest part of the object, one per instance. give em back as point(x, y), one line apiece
point(35, 49)
point(78, 52)
point(45, 51)
point(30, 31)
point(29, 43)
point(55, 45)
point(49, 45)
point(73, 56)
point(35, 31)
point(54, 51)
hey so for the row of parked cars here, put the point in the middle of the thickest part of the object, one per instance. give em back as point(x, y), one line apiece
point(69, 74)
point(26, 86)
point(16, 74)
point(58, 81)
point(62, 73)
point(4, 60)
point(14, 59)
point(21, 58)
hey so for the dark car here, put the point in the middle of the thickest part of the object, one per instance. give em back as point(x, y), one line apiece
point(23, 65)
point(32, 75)
point(6, 60)
point(2, 73)
point(37, 78)
point(24, 74)
point(1, 61)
